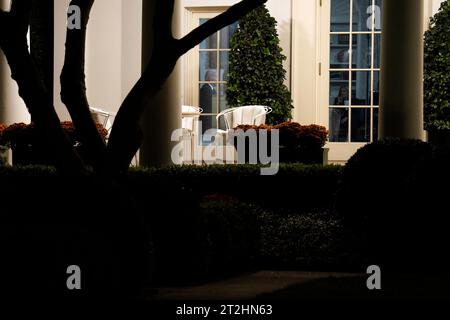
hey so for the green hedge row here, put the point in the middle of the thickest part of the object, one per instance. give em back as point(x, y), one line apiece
point(198, 222)
point(296, 186)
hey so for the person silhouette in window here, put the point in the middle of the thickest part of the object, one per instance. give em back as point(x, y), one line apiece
point(343, 97)
point(207, 97)
point(339, 117)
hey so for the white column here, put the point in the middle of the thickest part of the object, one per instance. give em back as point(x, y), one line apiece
point(163, 115)
point(401, 83)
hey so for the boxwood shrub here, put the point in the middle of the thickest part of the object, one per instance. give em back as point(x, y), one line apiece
point(392, 198)
point(296, 186)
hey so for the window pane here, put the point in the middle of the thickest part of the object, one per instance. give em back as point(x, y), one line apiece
point(224, 65)
point(208, 98)
point(339, 92)
point(362, 51)
point(378, 15)
point(338, 124)
point(361, 88)
point(340, 15)
point(362, 15)
point(223, 105)
point(376, 88)
point(361, 125)
point(375, 124)
point(226, 34)
point(339, 51)
point(377, 51)
point(208, 66)
point(211, 42)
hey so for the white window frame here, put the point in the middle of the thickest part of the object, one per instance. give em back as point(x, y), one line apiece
point(191, 60)
point(310, 67)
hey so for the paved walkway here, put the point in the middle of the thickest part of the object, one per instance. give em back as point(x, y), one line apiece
point(244, 287)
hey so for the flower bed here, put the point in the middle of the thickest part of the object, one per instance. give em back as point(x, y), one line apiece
point(298, 144)
point(25, 141)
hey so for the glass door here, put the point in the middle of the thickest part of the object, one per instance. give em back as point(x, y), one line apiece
point(351, 39)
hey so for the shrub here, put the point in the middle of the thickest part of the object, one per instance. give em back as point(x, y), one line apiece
point(295, 186)
point(27, 145)
point(256, 74)
point(294, 135)
point(309, 241)
point(51, 221)
point(375, 197)
point(302, 144)
point(26, 134)
point(192, 232)
point(437, 71)
point(232, 234)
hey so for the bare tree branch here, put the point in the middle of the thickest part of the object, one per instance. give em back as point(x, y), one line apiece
point(73, 87)
point(223, 20)
point(126, 135)
point(13, 42)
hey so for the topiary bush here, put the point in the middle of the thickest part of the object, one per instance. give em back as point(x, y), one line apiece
point(437, 71)
point(378, 199)
point(256, 74)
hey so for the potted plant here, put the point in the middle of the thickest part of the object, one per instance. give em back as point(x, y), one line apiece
point(26, 146)
point(437, 79)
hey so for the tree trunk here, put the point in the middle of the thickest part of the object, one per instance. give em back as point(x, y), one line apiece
point(73, 88)
point(13, 42)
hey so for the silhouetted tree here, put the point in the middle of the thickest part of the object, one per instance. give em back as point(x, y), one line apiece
point(126, 135)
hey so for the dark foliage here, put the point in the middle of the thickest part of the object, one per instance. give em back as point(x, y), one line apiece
point(392, 198)
point(437, 71)
point(256, 67)
point(295, 186)
point(49, 222)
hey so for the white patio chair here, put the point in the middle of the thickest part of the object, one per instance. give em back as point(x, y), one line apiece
point(106, 119)
point(234, 117)
point(246, 115)
point(103, 117)
point(190, 117)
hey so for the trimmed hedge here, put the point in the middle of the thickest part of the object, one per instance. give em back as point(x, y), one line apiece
point(296, 186)
point(392, 197)
point(163, 226)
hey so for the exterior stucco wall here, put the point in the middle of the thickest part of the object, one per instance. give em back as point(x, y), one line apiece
point(113, 52)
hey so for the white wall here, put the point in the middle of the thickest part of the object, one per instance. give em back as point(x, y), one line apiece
point(113, 52)
point(12, 107)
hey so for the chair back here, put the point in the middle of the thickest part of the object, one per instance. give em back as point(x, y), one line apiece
point(190, 115)
point(103, 117)
point(246, 115)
